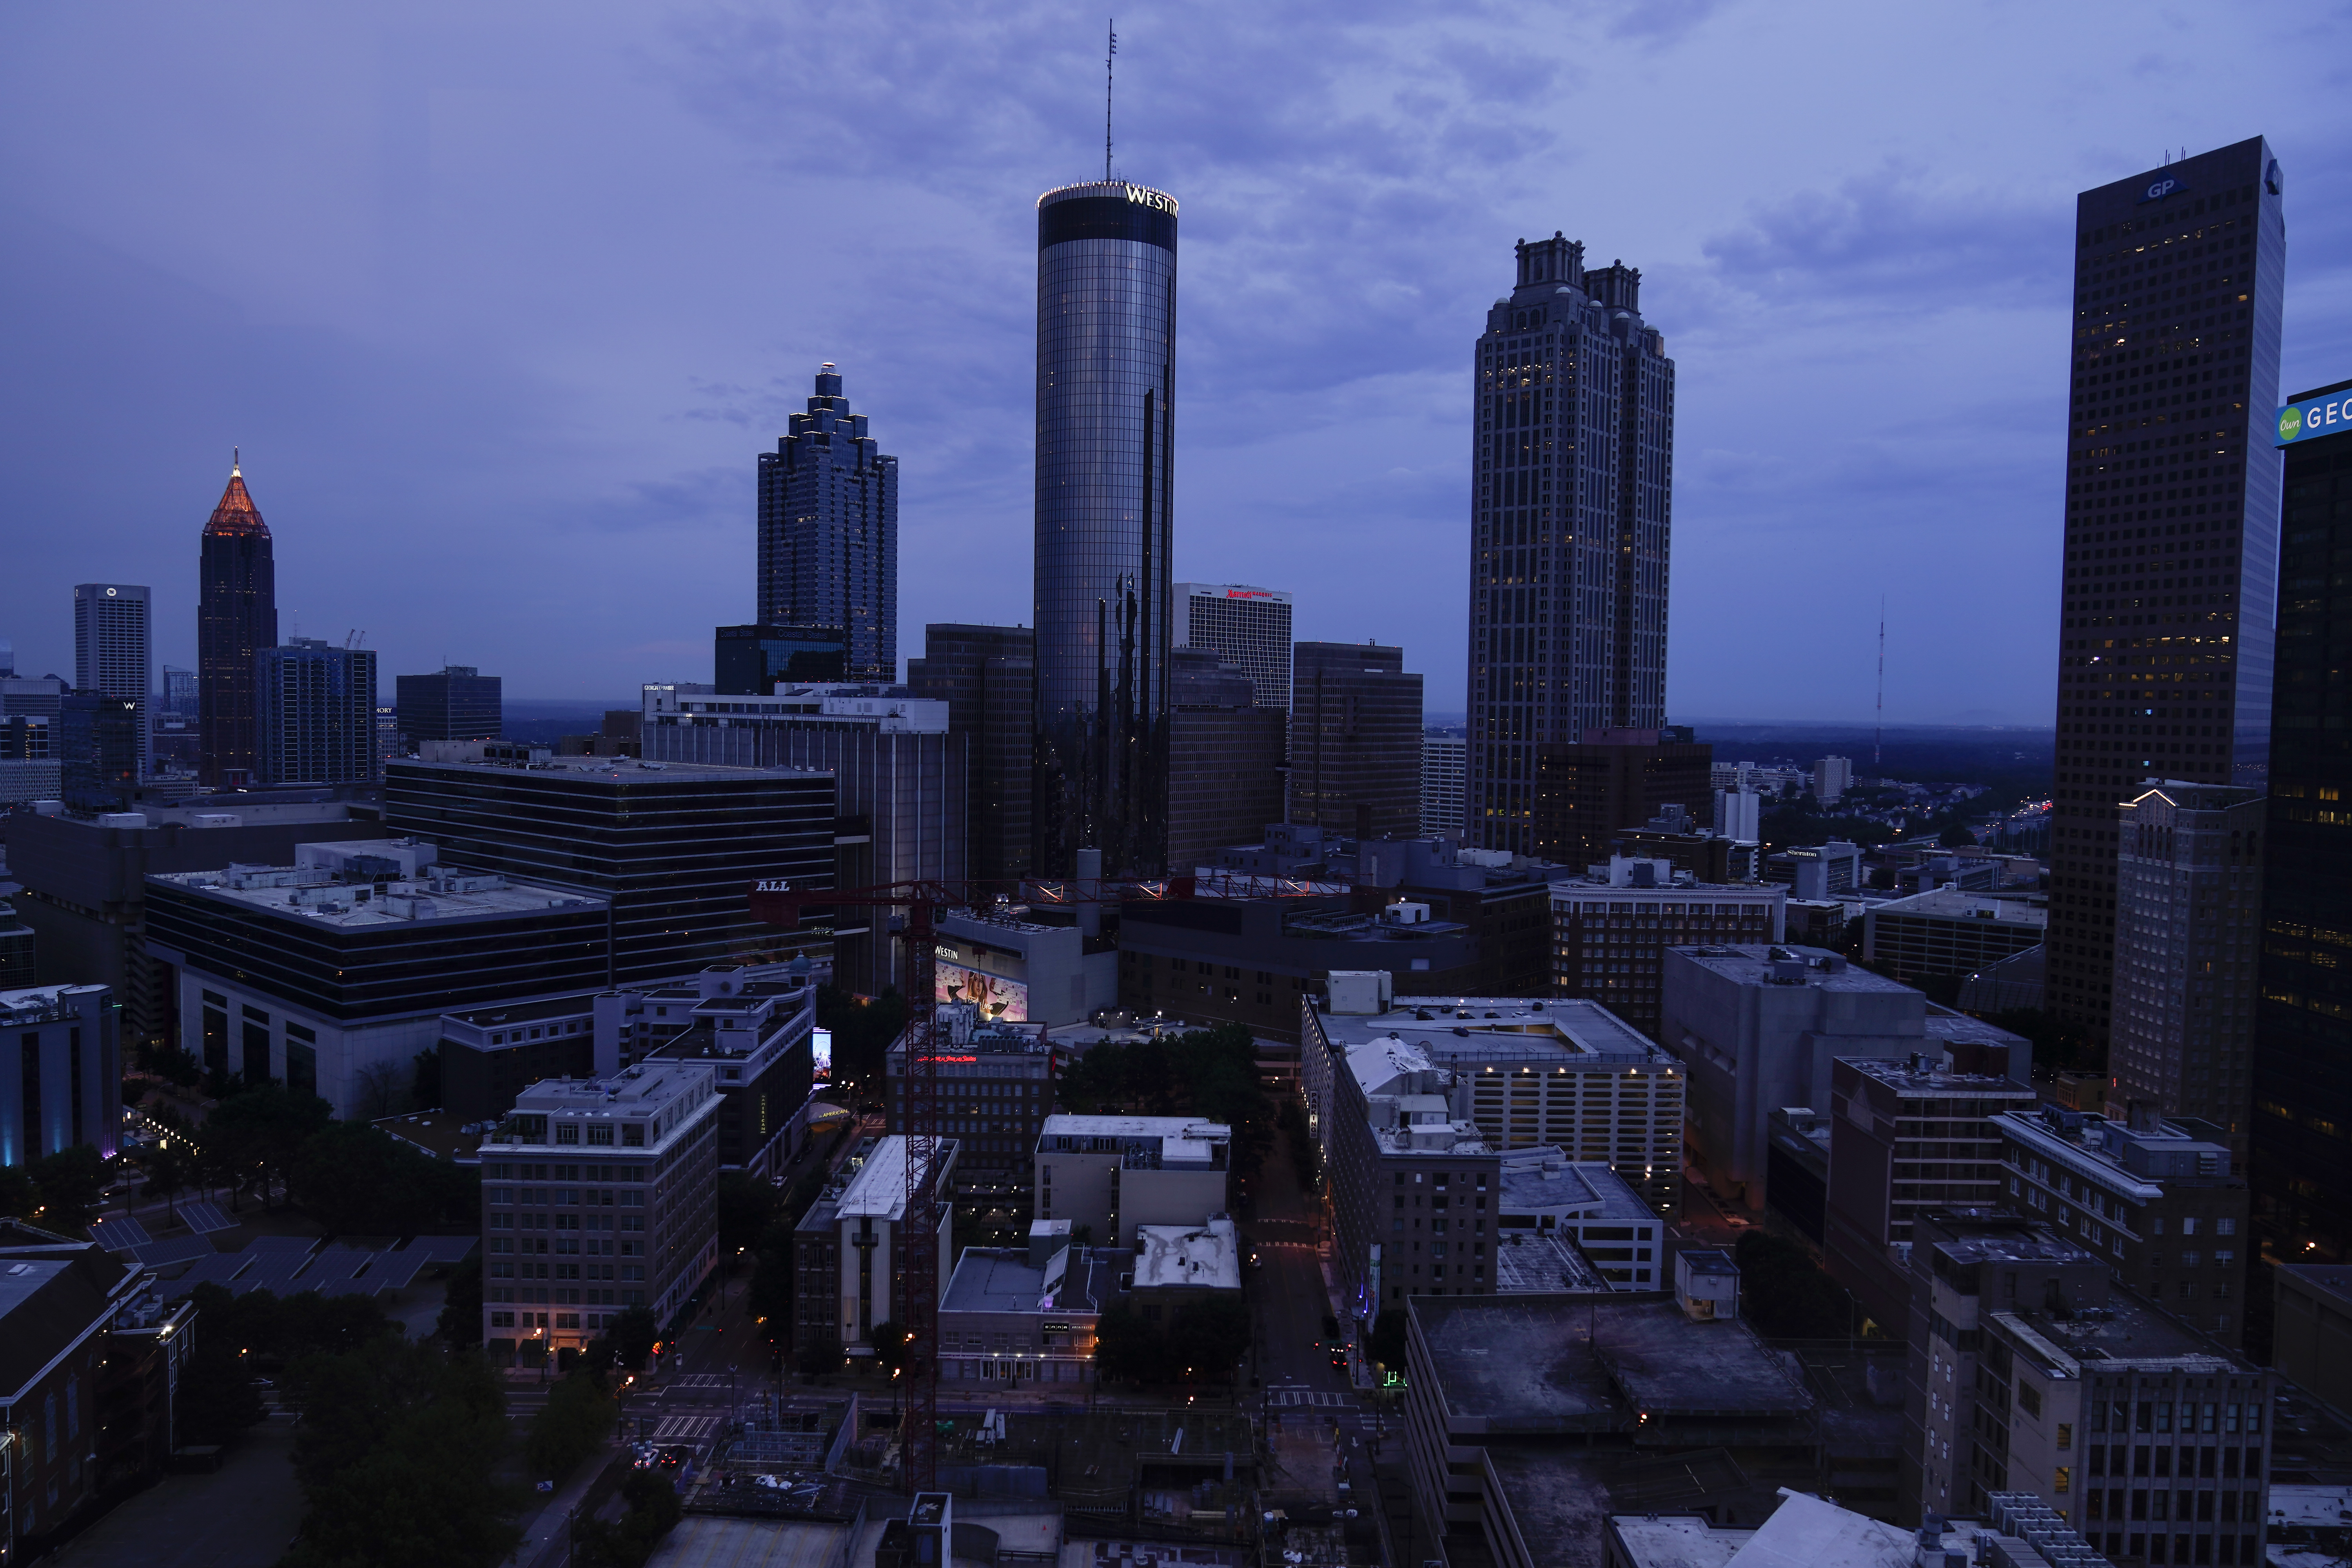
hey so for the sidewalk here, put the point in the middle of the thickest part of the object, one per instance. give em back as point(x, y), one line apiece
point(552, 1525)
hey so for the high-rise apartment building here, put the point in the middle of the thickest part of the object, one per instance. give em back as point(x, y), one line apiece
point(1242, 625)
point(987, 675)
point(1832, 776)
point(1355, 740)
point(316, 711)
point(100, 740)
point(2302, 1167)
point(1106, 487)
point(179, 693)
point(114, 651)
point(829, 531)
point(2187, 930)
point(1443, 760)
point(1569, 518)
point(2172, 498)
point(236, 617)
point(458, 702)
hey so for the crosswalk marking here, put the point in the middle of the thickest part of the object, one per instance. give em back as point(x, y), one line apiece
point(1319, 1398)
point(702, 1380)
point(685, 1428)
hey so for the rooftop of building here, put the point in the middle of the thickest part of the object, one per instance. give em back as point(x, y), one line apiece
point(2127, 1333)
point(1921, 1075)
point(343, 900)
point(1546, 1181)
point(1003, 1279)
point(1954, 904)
point(34, 1005)
point(1451, 1030)
point(1199, 1257)
point(1543, 1263)
point(636, 1094)
point(1785, 963)
point(232, 810)
point(1652, 876)
point(1561, 1364)
point(587, 770)
point(2313, 1507)
point(1564, 1497)
point(537, 1010)
point(2332, 1278)
point(2133, 1161)
point(1152, 1129)
point(440, 1134)
point(878, 1190)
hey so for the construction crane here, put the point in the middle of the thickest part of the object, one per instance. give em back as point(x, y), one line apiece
point(783, 902)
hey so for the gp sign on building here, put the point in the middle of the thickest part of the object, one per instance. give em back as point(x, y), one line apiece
point(2326, 416)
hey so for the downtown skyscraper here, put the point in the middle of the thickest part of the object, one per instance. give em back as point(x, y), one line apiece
point(236, 617)
point(1105, 484)
point(2171, 542)
point(114, 652)
point(1570, 522)
point(829, 531)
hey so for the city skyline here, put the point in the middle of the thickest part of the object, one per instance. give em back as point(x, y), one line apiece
point(1919, 276)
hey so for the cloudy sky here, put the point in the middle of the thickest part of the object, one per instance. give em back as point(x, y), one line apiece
point(500, 301)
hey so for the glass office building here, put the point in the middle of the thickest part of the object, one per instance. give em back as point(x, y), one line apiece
point(1105, 419)
point(2172, 516)
point(236, 617)
point(829, 537)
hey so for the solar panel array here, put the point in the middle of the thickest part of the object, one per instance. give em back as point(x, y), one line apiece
point(443, 1248)
point(204, 1218)
point(120, 1234)
point(179, 1250)
point(393, 1270)
point(334, 1264)
point(281, 1243)
point(217, 1270)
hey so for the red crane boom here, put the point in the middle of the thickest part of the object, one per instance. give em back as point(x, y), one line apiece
point(779, 902)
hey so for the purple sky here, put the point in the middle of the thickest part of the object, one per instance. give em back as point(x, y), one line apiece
point(500, 302)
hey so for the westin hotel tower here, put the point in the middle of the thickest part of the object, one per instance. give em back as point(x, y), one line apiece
point(1106, 417)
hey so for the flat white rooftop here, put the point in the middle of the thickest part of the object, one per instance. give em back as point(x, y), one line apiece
point(1206, 1257)
point(1144, 1129)
point(311, 895)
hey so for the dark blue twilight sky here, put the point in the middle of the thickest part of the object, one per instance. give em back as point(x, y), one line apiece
point(501, 299)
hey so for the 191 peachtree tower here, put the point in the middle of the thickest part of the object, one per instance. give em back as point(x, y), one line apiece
point(829, 531)
point(1571, 514)
point(236, 617)
point(1106, 416)
point(2164, 664)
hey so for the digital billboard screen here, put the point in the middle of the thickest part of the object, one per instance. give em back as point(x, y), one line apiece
point(996, 996)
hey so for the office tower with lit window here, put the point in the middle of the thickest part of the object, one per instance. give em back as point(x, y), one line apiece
point(1571, 514)
point(1355, 741)
point(2172, 516)
point(458, 702)
point(114, 651)
point(1105, 482)
point(1247, 626)
point(2302, 1165)
point(236, 617)
point(829, 533)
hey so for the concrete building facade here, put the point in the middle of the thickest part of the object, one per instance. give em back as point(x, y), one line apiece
point(114, 652)
point(1109, 1174)
point(61, 1072)
point(851, 1250)
point(1611, 931)
point(1242, 625)
point(1355, 740)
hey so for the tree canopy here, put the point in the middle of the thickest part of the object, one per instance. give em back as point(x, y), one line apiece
point(1208, 1073)
point(1203, 1342)
point(355, 1179)
point(1786, 1295)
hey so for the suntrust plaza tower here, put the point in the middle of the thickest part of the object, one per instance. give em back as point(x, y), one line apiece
point(1105, 423)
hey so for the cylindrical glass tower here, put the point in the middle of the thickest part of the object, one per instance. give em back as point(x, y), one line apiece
point(1105, 418)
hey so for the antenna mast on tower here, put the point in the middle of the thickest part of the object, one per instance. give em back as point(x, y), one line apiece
point(1878, 737)
point(1108, 55)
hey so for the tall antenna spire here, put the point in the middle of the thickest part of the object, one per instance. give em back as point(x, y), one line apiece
point(236, 460)
point(1109, 55)
point(1878, 739)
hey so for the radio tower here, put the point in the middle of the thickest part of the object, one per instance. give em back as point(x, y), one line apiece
point(1878, 736)
point(1108, 55)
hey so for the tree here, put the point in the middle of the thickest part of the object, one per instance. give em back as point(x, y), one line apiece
point(1127, 1349)
point(386, 1427)
point(576, 1421)
point(71, 1182)
point(378, 1090)
point(1207, 1338)
point(169, 1173)
point(258, 1130)
point(357, 1179)
point(628, 1542)
point(216, 1399)
point(425, 1089)
point(1956, 838)
point(461, 1307)
point(634, 1332)
point(746, 1203)
point(889, 1340)
point(1386, 1347)
point(18, 1196)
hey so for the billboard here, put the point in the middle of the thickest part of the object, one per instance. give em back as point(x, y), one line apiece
point(996, 996)
point(821, 1053)
point(2328, 416)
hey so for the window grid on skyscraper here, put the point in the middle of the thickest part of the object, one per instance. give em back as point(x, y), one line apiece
point(2171, 531)
point(829, 531)
point(1571, 513)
